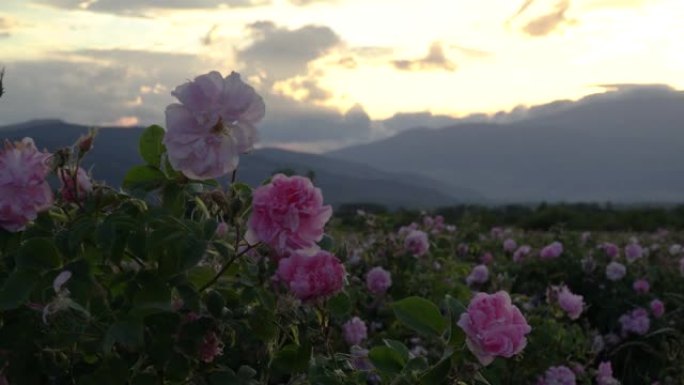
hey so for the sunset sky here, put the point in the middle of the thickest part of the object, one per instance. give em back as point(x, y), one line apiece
point(326, 67)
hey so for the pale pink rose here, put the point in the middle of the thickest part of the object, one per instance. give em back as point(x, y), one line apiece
point(24, 192)
point(496, 232)
point(288, 213)
point(378, 280)
point(61, 279)
point(83, 184)
point(615, 271)
point(604, 375)
point(585, 237)
point(522, 252)
point(509, 245)
point(355, 331)
point(636, 321)
point(494, 327)
point(675, 249)
point(641, 286)
point(406, 230)
point(558, 375)
point(311, 277)
point(633, 251)
point(221, 229)
point(487, 258)
point(213, 125)
point(210, 348)
point(572, 304)
point(416, 243)
point(611, 249)
point(479, 275)
point(657, 308)
point(554, 250)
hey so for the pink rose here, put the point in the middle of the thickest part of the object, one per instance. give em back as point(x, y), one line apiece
point(604, 375)
point(210, 348)
point(611, 249)
point(494, 327)
point(221, 229)
point(633, 251)
point(83, 184)
point(657, 308)
point(311, 277)
point(355, 331)
point(378, 280)
point(416, 243)
point(510, 245)
point(636, 321)
point(213, 125)
point(641, 286)
point(487, 258)
point(24, 192)
point(554, 250)
point(558, 375)
point(479, 275)
point(288, 213)
point(572, 304)
point(521, 253)
point(615, 271)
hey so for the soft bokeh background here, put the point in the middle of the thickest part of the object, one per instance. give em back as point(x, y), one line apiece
point(334, 72)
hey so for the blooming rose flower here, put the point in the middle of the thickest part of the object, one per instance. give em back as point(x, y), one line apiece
point(641, 286)
point(615, 271)
point(636, 321)
point(210, 348)
point(657, 308)
point(311, 277)
point(212, 125)
point(288, 213)
point(416, 243)
point(604, 375)
point(554, 250)
point(494, 327)
point(585, 237)
point(611, 249)
point(24, 192)
point(521, 253)
point(572, 304)
point(510, 245)
point(355, 331)
point(633, 251)
point(487, 258)
point(83, 184)
point(479, 275)
point(378, 280)
point(675, 249)
point(221, 229)
point(558, 375)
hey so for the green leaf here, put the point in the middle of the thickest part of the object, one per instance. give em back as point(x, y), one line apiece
point(154, 296)
point(150, 145)
point(420, 315)
point(143, 178)
point(17, 288)
point(39, 254)
point(215, 303)
point(128, 333)
point(438, 374)
point(398, 347)
point(387, 359)
point(456, 308)
point(292, 359)
point(339, 305)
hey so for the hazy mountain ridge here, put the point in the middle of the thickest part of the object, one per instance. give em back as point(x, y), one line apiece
point(624, 146)
point(116, 150)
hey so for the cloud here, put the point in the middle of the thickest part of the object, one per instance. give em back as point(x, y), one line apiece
point(210, 37)
point(435, 60)
point(142, 7)
point(7, 25)
point(309, 2)
point(539, 19)
point(280, 53)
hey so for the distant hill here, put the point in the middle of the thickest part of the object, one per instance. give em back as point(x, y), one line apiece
point(116, 150)
point(625, 146)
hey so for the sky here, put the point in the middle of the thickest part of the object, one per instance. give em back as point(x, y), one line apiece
point(332, 72)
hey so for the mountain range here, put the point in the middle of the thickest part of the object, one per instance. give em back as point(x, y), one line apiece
point(624, 146)
point(116, 150)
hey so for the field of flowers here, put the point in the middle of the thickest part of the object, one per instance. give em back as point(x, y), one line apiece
point(175, 279)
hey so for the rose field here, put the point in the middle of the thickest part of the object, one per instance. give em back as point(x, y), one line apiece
point(182, 277)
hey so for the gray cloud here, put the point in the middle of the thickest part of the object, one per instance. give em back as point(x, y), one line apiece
point(435, 60)
point(281, 53)
point(545, 24)
point(141, 7)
